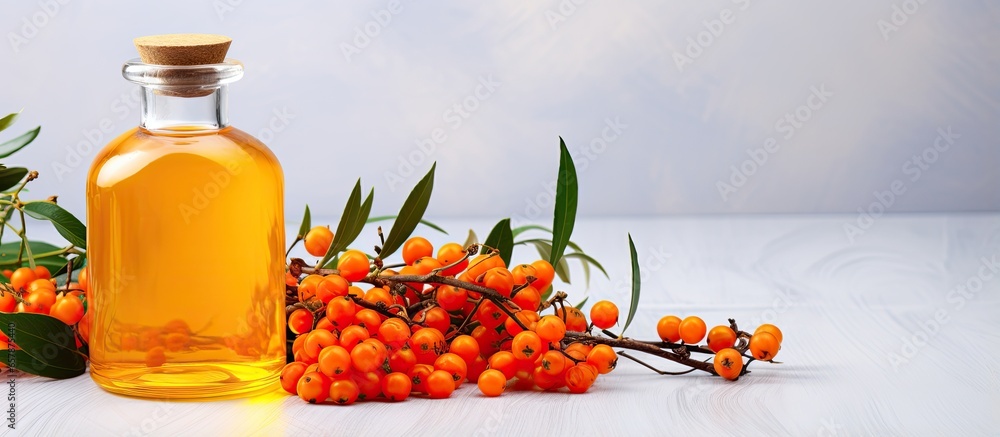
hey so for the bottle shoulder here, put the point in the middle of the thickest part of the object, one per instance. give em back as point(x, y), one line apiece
point(138, 148)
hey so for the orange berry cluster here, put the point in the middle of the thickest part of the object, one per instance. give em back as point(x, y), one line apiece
point(728, 362)
point(34, 291)
point(346, 352)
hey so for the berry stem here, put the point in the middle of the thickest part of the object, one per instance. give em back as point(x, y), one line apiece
point(626, 343)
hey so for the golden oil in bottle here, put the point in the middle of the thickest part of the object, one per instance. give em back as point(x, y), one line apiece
point(185, 237)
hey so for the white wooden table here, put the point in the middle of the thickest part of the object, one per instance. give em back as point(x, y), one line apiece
point(845, 309)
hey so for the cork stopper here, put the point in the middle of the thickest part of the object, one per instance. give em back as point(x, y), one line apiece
point(183, 49)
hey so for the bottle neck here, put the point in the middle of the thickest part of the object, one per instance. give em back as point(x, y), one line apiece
point(165, 110)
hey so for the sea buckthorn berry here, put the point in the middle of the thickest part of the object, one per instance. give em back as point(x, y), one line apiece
point(21, 278)
point(402, 360)
point(440, 384)
point(300, 321)
point(394, 332)
point(769, 328)
point(353, 265)
point(367, 356)
point(176, 341)
point(344, 391)
point(317, 240)
point(544, 275)
point(551, 329)
point(451, 298)
point(579, 351)
point(454, 365)
point(492, 383)
point(377, 295)
point(353, 335)
point(490, 315)
point(396, 386)
point(574, 319)
point(604, 314)
point(476, 368)
point(416, 248)
point(427, 344)
point(340, 312)
point(545, 381)
point(728, 363)
point(764, 346)
point(67, 309)
point(317, 340)
point(603, 358)
point(325, 324)
point(505, 362)
point(521, 272)
point(580, 377)
point(311, 279)
point(436, 318)
point(721, 337)
point(466, 347)
point(8, 303)
point(332, 286)
point(668, 328)
point(418, 376)
point(528, 318)
point(369, 384)
point(449, 254)
point(42, 272)
point(368, 319)
point(482, 263)
point(306, 291)
point(500, 280)
point(290, 375)
point(554, 362)
point(41, 301)
point(299, 343)
point(41, 284)
point(526, 346)
point(527, 298)
point(692, 329)
point(83, 278)
point(313, 387)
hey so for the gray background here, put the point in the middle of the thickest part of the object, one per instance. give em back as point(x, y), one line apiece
point(563, 69)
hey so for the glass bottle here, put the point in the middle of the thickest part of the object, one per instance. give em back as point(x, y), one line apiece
point(185, 244)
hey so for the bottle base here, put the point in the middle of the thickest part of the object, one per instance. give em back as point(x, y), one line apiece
point(189, 381)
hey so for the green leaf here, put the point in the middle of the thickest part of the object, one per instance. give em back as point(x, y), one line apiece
point(502, 240)
point(579, 306)
point(8, 255)
point(410, 214)
point(9, 177)
point(521, 229)
point(351, 224)
point(634, 305)
point(566, 201)
point(9, 147)
point(471, 239)
point(544, 250)
point(422, 221)
point(306, 224)
point(68, 226)
point(47, 345)
point(8, 120)
point(587, 259)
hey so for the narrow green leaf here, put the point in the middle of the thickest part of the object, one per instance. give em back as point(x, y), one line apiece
point(502, 240)
point(350, 212)
point(471, 239)
point(8, 120)
point(521, 229)
point(634, 305)
point(358, 224)
point(410, 214)
point(68, 226)
point(579, 306)
point(306, 224)
point(547, 293)
point(587, 259)
point(9, 147)
point(422, 221)
point(47, 345)
point(566, 201)
point(9, 177)
point(544, 250)
point(8, 251)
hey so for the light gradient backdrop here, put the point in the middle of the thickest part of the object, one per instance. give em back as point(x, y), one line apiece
point(665, 105)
